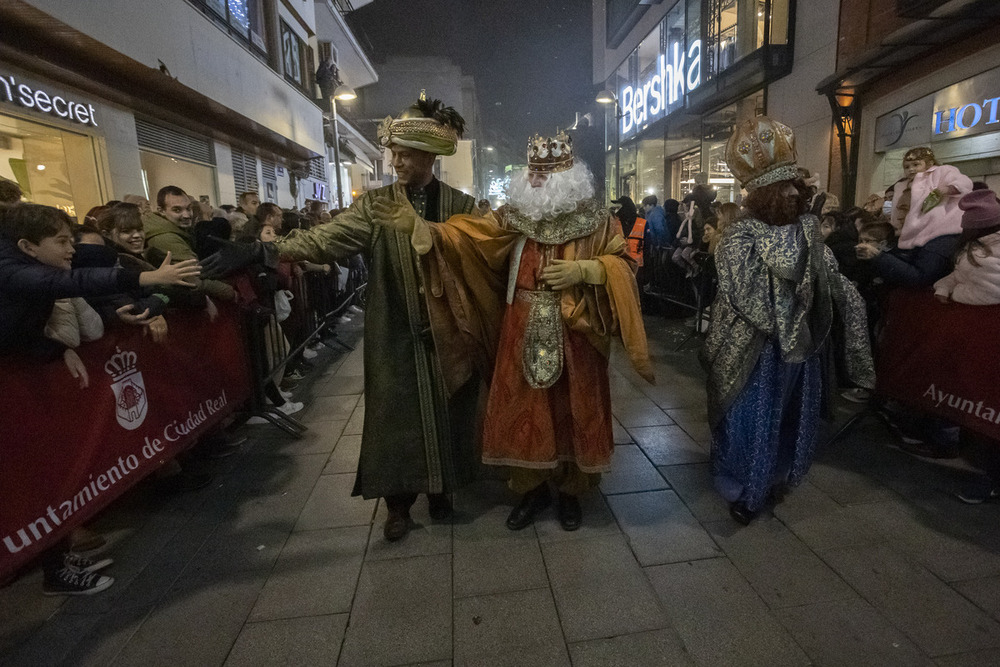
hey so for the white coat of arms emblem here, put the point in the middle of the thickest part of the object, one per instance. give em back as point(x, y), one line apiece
point(130, 392)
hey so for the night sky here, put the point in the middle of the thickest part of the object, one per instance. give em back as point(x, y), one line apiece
point(531, 59)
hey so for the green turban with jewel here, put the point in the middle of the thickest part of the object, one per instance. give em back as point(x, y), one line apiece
point(427, 126)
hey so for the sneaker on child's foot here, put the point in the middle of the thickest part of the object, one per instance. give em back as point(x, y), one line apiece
point(84, 565)
point(291, 408)
point(355, 309)
point(309, 353)
point(70, 582)
point(287, 395)
point(253, 421)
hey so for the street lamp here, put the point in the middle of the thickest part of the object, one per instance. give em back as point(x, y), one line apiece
point(343, 93)
point(608, 97)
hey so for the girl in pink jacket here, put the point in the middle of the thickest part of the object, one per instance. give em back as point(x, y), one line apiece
point(976, 278)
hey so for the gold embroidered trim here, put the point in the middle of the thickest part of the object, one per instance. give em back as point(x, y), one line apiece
point(542, 352)
point(564, 227)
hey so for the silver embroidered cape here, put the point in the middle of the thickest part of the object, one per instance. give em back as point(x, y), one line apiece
point(781, 283)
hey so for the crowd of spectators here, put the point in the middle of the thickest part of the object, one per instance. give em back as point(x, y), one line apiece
point(131, 263)
point(934, 229)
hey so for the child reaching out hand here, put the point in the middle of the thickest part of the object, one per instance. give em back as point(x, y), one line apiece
point(36, 250)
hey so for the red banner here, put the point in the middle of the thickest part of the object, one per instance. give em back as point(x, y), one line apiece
point(943, 358)
point(66, 452)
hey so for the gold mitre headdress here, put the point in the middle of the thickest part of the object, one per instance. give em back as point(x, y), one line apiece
point(427, 125)
point(761, 152)
point(549, 155)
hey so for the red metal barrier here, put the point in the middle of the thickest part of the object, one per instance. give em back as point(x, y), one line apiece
point(66, 452)
point(942, 358)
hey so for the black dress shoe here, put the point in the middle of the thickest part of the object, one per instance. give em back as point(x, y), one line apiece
point(396, 526)
point(533, 502)
point(570, 514)
point(439, 506)
point(741, 513)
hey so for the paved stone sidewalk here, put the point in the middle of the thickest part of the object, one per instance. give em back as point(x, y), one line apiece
point(869, 562)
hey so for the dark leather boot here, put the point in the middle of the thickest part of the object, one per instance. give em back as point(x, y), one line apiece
point(533, 502)
point(439, 506)
point(570, 514)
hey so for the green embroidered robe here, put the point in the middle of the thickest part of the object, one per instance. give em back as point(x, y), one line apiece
point(419, 429)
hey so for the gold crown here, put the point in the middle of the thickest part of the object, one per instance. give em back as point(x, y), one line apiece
point(549, 155)
point(760, 152)
point(120, 364)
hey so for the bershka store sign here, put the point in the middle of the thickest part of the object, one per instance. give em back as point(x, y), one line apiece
point(27, 96)
point(676, 72)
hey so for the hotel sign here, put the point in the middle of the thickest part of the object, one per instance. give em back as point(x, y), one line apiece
point(676, 73)
point(36, 98)
point(967, 108)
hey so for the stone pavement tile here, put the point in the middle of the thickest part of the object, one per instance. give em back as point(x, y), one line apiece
point(694, 421)
point(798, 577)
point(402, 613)
point(331, 505)
point(315, 575)
point(984, 593)
point(847, 486)
point(278, 498)
point(518, 628)
point(356, 424)
point(937, 618)
point(321, 438)
point(621, 387)
point(674, 391)
point(693, 483)
point(481, 508)
point(484, 567)
point(597, 521)
point(426, 537)
point(620, 434)
point(660, 529)
point(985, 658)
point(930, 539)
point(49, 643)
point(837, 528)
point(341, 385)
point(23, 609)
point(196, 624)
point(344, 458)
point(642, 649)
point(329, 408)
point(311, 640)
point(631, 471)
point(719, 617)
point(600, 590)
point(848, 633)
point(668, 445)
point(638, 411)
point(110, 633)
point(246, 552)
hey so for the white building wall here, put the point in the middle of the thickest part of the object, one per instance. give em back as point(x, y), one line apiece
point(793, 99)
point(200, 55)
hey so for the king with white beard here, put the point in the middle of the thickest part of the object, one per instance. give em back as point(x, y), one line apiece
point(542, 287)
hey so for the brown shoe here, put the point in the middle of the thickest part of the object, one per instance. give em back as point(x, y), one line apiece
point(396, 526)
point(439, 506)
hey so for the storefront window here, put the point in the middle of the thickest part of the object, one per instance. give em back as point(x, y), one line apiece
point(194, 178)
point(736, 28)
point(52, 166)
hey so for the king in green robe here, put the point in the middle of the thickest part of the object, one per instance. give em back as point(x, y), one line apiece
point(421, 389)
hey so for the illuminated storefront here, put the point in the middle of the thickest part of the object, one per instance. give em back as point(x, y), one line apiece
point(703, 68)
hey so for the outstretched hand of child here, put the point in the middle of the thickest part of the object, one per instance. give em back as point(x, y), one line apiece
point(157, 328)
point(126, 315)
point(76, 367)
point(181, 273)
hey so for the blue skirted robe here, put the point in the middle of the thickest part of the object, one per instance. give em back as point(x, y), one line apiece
point(780, 296)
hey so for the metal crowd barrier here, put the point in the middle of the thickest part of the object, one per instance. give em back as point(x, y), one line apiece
point(670, 284)
point(317, 304)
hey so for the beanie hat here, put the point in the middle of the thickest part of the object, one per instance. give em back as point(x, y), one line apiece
point(982, 210)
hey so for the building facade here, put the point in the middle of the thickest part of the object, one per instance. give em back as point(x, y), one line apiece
point(113, 97)
point(683, 73)
point(915, 73)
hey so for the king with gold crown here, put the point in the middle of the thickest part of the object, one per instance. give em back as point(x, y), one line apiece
point(539, 290)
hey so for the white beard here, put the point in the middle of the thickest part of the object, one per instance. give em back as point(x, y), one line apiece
point(561, 193)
